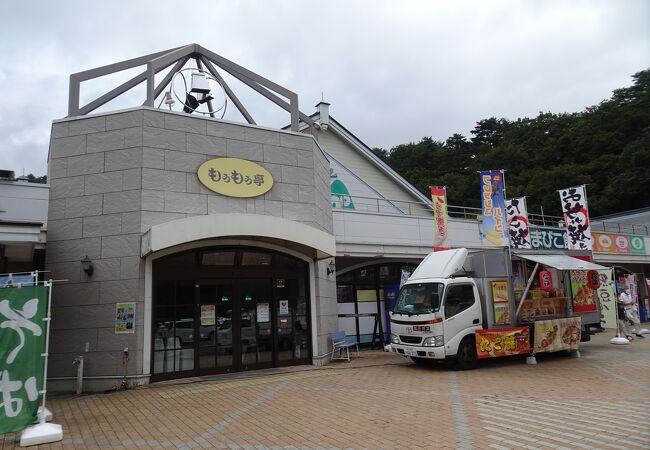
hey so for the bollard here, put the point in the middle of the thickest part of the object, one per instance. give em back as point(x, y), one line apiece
point(79, 360)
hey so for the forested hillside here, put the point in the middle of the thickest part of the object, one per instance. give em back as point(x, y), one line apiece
point(606, 147)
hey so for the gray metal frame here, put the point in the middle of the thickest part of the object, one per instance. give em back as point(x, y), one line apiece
point(155, 62)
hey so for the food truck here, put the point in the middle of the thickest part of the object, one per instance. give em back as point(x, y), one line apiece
point(466, 305)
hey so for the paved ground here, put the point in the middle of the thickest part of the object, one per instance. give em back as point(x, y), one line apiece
point(383, 401)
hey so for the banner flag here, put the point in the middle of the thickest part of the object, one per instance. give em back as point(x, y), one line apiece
point(518, 226)
point(494, 208)
point(576, 217)
point(22, 344)
point(607, 296)
point(440, 231)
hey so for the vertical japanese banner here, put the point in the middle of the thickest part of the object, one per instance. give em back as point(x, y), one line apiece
point(22, 344)
point(607, 297)
point(440, 229)
point(494, 208)
point(576, 217)
point(518, 226)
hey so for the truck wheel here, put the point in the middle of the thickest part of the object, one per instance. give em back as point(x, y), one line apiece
point(466, 356)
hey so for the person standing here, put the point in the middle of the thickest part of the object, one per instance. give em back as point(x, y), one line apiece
point(623, 303)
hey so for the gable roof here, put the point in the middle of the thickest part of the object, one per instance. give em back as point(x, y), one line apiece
point(361, 148)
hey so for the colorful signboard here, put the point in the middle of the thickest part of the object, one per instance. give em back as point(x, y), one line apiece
point(503, 342)
point(626, 244)
point(518, 226)
point(576, 217)
point(584, 300)
point(22, 334)
point(557, 334)
point(235, 177)
point(124, 318)
point(548, 238)
point(500, 301)
point(440, 229)
point(494, 207)
point(607, 298)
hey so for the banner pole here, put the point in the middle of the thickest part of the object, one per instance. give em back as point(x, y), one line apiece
point(47, 346)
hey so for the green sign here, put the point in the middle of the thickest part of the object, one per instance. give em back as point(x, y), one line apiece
point(22, 343)
point(637, 245)
point(224, 298)
point(248, 298)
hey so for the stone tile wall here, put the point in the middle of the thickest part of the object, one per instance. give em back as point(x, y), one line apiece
point(113, 176)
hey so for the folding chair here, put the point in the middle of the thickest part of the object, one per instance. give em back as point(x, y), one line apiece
point(339, 344)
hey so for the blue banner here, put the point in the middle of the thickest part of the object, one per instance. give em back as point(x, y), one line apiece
point(494, 227)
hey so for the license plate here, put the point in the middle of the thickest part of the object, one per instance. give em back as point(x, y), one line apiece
point(421, 328)
point(410, 352)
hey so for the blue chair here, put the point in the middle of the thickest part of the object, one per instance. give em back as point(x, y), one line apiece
point(340, 344)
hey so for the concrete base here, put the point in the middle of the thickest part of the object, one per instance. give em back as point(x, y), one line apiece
point(47, 414)
point(94, 384)
point(619, 340)
point(41, 434)
point(531, 360)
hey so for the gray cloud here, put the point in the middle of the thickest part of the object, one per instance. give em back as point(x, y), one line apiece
point(393, 71)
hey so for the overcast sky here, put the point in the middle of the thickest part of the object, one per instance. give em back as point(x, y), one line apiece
point(393, 71)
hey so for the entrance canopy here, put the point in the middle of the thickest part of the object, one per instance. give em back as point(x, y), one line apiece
point(561, 262)
point(314, 242)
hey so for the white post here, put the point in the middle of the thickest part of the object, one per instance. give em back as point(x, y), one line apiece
point(43, 432)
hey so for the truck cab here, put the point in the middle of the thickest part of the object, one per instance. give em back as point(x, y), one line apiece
point(435, 318)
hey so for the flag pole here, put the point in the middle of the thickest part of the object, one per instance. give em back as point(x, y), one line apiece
point(43, 432)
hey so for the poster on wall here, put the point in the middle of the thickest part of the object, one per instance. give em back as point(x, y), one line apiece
point(504, 342)
point(284, 307)
point(493, 225)
point(500, 300)
point(207, 315)
point(440, 229)
point(607, 297)
point(125, 318)
point(263, 312)
point(557, 334)
point(584, 300)
point(518, 226)
point(519, 276)
point(576, 217)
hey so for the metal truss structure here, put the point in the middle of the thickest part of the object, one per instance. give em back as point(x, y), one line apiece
point(179, 56)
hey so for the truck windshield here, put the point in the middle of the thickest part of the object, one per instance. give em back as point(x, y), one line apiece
point(423, 298)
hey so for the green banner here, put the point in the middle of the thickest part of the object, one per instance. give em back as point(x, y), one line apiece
point(22, 343)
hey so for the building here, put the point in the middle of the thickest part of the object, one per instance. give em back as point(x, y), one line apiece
point(203, 246)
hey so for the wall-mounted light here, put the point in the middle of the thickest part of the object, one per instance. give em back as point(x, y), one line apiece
point(331, 267)
point(87, 266)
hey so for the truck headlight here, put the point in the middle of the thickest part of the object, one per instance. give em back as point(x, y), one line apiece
point(394, 339)
point(434, 341)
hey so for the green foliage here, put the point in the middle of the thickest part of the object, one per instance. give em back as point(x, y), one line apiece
point(34, 179)
point(606, 147)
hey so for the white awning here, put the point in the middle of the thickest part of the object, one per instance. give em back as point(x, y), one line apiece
point(562, 262)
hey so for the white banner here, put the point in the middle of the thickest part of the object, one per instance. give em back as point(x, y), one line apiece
point(576, 217)
point(606, 294)
point(518, 226)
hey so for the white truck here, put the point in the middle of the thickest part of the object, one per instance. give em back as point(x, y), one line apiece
point(466, 305)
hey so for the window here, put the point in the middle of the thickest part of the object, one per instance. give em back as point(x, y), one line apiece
point(459, 298)
point(218, 258)
point(422, 298)
point(255, 259)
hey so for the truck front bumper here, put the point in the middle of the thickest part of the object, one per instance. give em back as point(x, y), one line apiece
point(419, 352)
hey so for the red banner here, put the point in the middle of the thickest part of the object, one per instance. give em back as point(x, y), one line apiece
point(502, 342)
point(440, 229)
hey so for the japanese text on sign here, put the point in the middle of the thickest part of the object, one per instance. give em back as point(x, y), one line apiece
point(576, 217)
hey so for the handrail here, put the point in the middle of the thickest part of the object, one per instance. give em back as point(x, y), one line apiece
point(420, 209)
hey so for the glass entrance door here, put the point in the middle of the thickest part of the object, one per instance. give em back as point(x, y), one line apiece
point(216, 307)
point(291, 320)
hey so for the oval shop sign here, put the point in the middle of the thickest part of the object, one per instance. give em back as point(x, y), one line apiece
point(235, 177)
